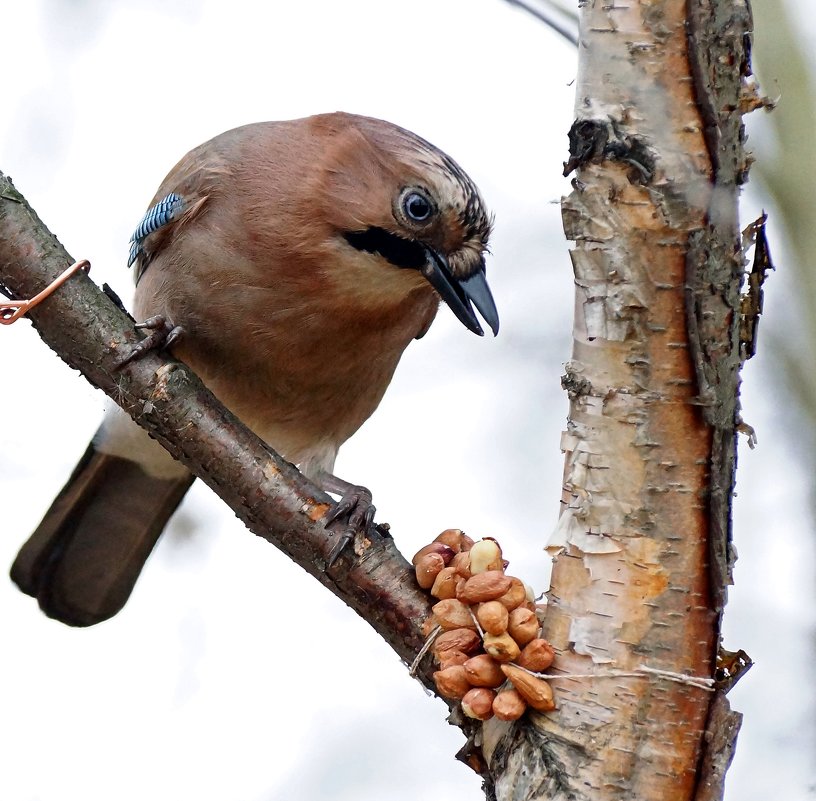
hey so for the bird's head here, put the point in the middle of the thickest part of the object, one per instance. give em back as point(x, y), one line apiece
point(406, 213)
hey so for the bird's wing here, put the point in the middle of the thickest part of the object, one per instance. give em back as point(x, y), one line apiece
point(181, 198)
point(160, 214)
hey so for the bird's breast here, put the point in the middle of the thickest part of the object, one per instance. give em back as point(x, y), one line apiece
point(299, 362)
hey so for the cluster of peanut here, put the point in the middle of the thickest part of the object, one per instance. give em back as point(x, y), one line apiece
point(489, 640)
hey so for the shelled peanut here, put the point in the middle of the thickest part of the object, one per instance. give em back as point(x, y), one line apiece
point(489, 630)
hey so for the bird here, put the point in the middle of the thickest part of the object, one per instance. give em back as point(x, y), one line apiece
point(289, 264)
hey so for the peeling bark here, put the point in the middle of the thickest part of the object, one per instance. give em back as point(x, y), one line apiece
point(643, 540)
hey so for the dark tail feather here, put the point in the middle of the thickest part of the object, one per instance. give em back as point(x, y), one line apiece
point(85, 556)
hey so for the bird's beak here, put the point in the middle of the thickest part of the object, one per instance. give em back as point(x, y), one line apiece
point(458, 293)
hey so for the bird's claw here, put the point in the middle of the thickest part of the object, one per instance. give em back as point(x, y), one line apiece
point(343, 540)
point(164, 334)
point(355, 503)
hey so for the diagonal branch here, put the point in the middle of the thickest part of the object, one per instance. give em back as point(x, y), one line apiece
point(87, 329)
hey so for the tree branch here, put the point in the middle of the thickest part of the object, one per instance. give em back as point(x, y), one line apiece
point(86, 329)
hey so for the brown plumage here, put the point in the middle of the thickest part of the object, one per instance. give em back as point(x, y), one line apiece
point(300, 258)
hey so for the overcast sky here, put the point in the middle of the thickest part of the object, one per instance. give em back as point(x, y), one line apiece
point(188, 693)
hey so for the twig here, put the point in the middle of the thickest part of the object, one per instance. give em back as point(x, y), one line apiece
point(549, 14)
point(424, 650)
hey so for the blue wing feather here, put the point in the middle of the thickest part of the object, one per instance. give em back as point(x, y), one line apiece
point(165, 211)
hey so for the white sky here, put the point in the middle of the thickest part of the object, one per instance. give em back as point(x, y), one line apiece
point(231, 674)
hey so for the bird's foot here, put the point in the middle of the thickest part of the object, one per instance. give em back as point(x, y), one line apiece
point(354, 508)
point(355, 503)
point(163, 334)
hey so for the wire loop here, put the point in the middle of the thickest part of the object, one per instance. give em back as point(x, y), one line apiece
point(11, 311)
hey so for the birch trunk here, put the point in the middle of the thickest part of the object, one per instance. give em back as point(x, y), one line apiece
point(643, 541)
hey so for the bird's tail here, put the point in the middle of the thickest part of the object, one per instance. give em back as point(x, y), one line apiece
point(85, 556)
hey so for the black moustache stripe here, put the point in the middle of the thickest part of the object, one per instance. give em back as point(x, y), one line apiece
point(400, 252)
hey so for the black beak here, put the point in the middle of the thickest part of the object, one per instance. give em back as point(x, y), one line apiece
point(459, 293)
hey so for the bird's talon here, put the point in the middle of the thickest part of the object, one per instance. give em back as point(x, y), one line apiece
point(355, 506)
point(340, 546)
point(340, 509)
point(354, 503)
point(176, 333)
point(361, 517)
point(165, 333)
point(156, 323)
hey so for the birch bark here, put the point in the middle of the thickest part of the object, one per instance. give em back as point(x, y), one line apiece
point(643, 542)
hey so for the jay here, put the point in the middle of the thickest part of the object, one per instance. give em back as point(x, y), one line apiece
point(289, 264)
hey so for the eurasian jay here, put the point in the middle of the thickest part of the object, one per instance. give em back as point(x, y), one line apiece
point(299, 259)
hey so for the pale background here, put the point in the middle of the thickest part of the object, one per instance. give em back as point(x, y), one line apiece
point(230, 675)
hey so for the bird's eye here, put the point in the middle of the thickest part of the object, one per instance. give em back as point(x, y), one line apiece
point(417, 207)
